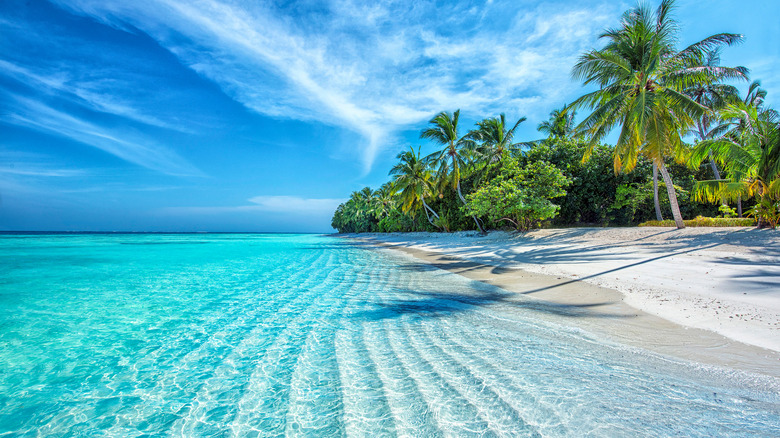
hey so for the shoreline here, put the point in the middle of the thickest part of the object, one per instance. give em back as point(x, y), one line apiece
point(627, 314)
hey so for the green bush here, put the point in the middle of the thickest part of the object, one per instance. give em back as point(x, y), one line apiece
point(727, 211)
point(520, 195)
point(767, 211)
point(701, 221)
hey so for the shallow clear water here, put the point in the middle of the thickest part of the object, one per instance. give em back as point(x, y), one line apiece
point(223, 335)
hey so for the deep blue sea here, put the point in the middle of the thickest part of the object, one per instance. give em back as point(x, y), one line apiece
point(274, 335)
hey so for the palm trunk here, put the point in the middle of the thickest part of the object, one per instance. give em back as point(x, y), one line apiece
point(761, 222)
point(712, 160)
point(717, 177)
point(427, 209)
point(713, 165)
point(658, 216)
point(456, 170)
point(672, 197)
point(739, 206)
point(463, 200)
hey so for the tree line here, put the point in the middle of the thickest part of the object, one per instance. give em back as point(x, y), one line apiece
point(654, 94)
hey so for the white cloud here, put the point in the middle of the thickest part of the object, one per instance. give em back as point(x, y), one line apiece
point(125, 144)
point(91, 94)
point(42, 171)
point(293, 204)
point(26, 164)
point(30, 174)
point(373, 69)
point(269, 204)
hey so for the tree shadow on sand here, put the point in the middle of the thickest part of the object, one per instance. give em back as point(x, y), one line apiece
point(452, 263)
point(561, 246)
point(431, 304)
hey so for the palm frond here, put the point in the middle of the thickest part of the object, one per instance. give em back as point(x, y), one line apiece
point(715, 191)
point(683, 103)
point(712, 42)
point(773, 189)
point(601, 67)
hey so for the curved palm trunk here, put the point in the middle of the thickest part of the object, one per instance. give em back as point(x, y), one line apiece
point(658, 215)
point(456, 170)
point(672, 197)
point(463, 200)
point(712, 160)
point(713, 165)
point(427, 209)
point(717, 177)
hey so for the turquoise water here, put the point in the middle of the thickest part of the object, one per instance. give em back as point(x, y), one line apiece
point(271, 335)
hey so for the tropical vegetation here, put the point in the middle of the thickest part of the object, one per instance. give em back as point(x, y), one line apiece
point(519, 195)
point(676, 114)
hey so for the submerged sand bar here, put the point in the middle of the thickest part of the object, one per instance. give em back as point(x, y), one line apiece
point(711, 295)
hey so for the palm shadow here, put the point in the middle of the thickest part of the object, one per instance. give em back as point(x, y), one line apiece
point(548, 249)
point(433, 304)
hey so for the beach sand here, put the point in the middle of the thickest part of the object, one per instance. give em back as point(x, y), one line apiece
point(710, 295)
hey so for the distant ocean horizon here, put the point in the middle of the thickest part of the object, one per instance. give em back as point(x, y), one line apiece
point(195, 334)
point(160, 232)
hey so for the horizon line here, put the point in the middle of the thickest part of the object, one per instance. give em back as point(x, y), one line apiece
point(157, 232)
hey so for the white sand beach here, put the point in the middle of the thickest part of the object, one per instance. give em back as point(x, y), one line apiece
point(721, 280)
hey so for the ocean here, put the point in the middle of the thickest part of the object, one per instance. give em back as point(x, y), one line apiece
point(292, 335)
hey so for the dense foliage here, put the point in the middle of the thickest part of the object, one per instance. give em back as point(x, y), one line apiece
point(658, 97)
point(521, 196)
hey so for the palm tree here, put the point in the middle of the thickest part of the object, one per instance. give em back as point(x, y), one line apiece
point(656, 200)
point(443, 130)
point(754, 98)
point(559, 125)
point(750, 151)
point(714, 95)
point(492, 138)
point(641, 78)
point(755, 95)
point(384, 200)
point(339, 220)
point(359, 210)
point(413, 178)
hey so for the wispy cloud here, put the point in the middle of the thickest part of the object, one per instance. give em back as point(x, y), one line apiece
point(373, 69)
point(42, 171)
point(117, 187)
point(268, 204)
point(293, 204)
point(32, 174)
point(120, 142)
point(93, 94)
point(26, 164)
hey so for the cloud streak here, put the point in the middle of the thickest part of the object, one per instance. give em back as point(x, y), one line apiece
point(122, 143)
point(373, 69)
point(27, 164)
point(89, 94)
point(268, 204)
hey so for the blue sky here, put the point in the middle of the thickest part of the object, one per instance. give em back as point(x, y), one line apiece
point(207, 115)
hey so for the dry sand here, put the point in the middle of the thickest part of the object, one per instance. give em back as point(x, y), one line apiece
point(706, 294)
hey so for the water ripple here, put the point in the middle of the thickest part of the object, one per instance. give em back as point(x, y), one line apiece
point(253, 335)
